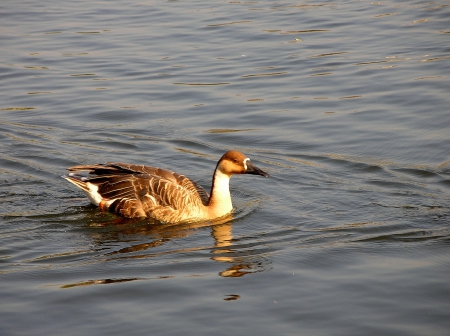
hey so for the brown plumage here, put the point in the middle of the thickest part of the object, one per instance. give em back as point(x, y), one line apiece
point(135, 191)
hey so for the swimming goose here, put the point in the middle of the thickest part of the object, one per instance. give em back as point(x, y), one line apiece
point(137, 191)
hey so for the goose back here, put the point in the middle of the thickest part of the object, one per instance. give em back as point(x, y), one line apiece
point(142, 191)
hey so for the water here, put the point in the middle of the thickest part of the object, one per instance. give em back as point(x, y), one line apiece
point(345, 104)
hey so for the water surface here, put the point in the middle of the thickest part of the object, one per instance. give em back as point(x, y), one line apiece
point(345, 104)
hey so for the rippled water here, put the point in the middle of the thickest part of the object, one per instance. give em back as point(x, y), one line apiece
point(345, 104)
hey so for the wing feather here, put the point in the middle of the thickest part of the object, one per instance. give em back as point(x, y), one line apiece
point(110, 169)
point(176, 178)
point(144, 191)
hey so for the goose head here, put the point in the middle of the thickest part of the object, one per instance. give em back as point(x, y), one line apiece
point(234, 162)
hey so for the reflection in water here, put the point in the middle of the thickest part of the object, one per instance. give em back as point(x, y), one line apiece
point(123, 230)
point(229, 23)
point(83, 75)
point(265, 74)
point(201, 84)
point(232, 297)
point(99, 282)
point(223, 241)
point(229, 130)
point(17, 108)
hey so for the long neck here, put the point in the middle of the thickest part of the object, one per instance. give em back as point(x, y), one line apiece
point(220, 200)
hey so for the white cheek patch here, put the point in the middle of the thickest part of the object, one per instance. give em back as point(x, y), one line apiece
point(245, 163)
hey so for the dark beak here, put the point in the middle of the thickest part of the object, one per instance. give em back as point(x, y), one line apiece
point(251, 169)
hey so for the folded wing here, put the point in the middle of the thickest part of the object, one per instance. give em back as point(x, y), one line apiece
point(139, 191)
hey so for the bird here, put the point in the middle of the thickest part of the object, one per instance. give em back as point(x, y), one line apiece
point(138, 191)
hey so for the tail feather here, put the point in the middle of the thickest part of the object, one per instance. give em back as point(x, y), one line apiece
point(78, 180)
point(90, 189)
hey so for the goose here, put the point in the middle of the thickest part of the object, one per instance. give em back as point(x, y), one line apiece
point(138, 191)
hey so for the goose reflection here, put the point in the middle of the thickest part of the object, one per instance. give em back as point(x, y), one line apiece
point(239, 261)
point(223, 237)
